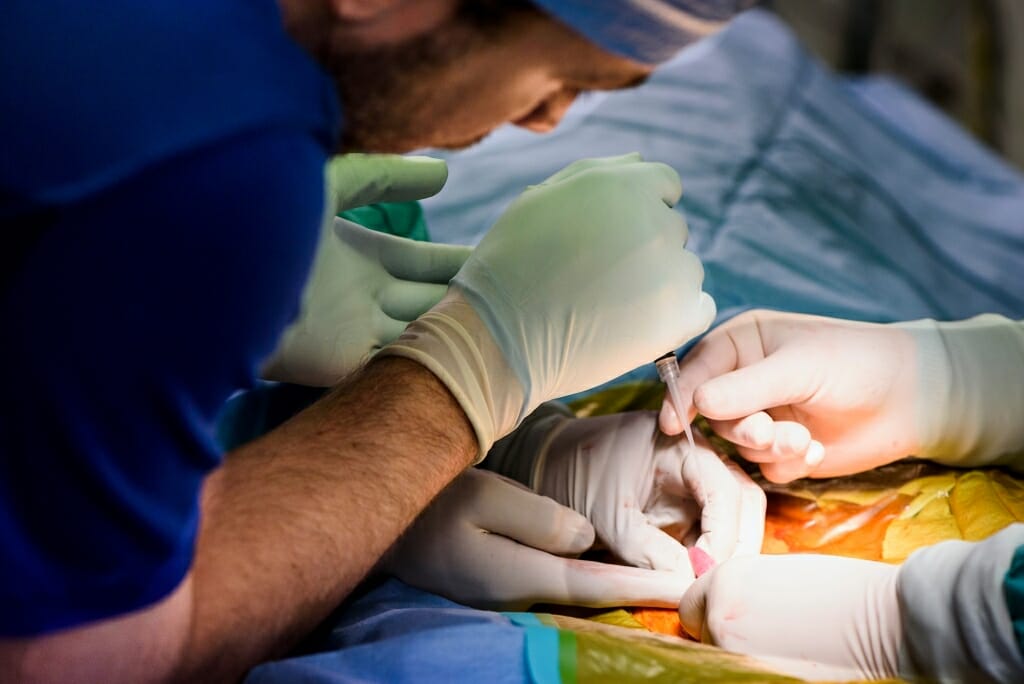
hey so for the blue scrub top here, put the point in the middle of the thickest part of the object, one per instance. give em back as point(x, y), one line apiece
point(161, 189)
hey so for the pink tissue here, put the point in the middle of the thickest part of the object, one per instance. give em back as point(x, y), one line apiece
point(700, 560)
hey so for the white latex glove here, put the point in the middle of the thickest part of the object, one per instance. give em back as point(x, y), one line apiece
point(583, 278)
point(942, 616)
point(970, 391)
point(804, 395)
point(818, 617)
point(491, 543)
point(364, 286)
point(643, 492)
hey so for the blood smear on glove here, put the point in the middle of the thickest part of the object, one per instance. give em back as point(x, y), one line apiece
point(700, 560)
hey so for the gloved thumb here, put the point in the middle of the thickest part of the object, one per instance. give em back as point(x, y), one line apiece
point(706, 312)
point(355, 180)
point(513, 511)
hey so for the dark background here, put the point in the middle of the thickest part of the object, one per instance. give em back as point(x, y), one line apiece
point(966, 56)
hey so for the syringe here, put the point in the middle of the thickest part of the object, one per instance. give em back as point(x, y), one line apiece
point(668, 371)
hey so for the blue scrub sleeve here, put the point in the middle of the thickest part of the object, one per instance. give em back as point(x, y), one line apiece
point(128, 319)
point(1013, 589)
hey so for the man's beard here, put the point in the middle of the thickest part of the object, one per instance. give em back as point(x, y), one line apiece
point(385, 92)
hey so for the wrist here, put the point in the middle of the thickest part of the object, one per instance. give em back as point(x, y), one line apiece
point(439, 418)
point(970, 390)
point(452, 343)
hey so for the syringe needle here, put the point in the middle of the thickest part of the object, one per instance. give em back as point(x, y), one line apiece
point(668, 371)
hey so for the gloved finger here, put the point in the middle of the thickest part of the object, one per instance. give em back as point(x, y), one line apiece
point(403, 258)
point(719, 496)
point(424, 262)
point(668, 419)
point(522, 576)
point(387, 329)
point(791, 441)
point(693, 608)
point(584, 164)
point(638, 542)
point(407, 301)
point(795, 468)
point(780, 379)
point(660, 178)
point(791, 469)
point(356, 180)
point(537, 521)
point(756, 431)
point(604, 585)
point(753, 507)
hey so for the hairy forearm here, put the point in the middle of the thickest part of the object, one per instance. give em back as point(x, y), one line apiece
point(293, 521)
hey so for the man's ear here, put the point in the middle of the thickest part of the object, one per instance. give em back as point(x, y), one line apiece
point(362, 10)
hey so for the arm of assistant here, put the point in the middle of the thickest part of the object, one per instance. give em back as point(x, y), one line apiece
point(290, 524)
point(300, 516)
point(132, 320)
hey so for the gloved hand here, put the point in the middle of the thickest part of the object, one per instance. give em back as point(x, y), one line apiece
point(632, 482)
point(817, 617)
point(804, 395)
point(941, 616)
point(583, 278)
point(364, 286)
point(491, 543)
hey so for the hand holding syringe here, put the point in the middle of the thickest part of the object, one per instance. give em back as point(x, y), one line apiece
point(668, 371)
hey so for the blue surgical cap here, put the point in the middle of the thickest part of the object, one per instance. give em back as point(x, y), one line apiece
point(648, 31)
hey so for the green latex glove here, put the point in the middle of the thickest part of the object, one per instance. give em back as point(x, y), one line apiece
point(583, 278)
point(364, 286)
point(357, 180)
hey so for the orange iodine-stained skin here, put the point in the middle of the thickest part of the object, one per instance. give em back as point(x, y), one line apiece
point(661, 621)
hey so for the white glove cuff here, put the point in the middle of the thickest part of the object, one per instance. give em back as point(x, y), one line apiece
point(956, 626)
point(970, 390)
point(516, 456)
point(454, 344)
